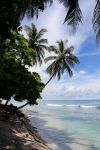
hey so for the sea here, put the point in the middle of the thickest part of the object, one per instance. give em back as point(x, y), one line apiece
point(67, 124)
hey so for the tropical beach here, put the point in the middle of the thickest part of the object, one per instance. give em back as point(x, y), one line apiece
point(75, 125)
point(16, 133)
point(68, 124)
point(50, 75)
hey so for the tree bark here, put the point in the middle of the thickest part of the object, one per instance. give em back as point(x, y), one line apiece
point(50, 79)
point(23, 105)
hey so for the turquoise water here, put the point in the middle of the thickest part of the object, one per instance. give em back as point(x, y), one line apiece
point(68, 125)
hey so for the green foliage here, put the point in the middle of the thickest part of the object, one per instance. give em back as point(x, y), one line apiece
point(15, 79)
point(74, 15)
point(17, 53)
point(17, 82)
point(13, 11)
point(37, 43)
point(63, 60)
point(17, 47)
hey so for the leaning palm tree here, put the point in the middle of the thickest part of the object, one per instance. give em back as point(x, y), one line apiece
point(63, 60)
point(36, 42)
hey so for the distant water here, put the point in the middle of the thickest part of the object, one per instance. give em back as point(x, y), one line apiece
point(68, 124)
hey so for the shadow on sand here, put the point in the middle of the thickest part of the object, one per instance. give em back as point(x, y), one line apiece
point(60, 138)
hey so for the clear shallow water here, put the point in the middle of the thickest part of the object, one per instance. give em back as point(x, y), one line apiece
point(68, 125)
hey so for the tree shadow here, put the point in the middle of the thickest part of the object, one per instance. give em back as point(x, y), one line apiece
point(61, 138)
point(17, 134)
point(52, 135)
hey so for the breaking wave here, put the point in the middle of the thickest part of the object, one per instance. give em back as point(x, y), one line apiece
point(79, 106)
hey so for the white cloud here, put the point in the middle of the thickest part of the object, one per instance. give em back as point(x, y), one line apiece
point(82, 85)
point(87, 87)
point(53, 17)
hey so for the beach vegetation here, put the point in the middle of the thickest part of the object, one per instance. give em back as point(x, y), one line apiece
point(63, 60)
point(37, 43)
point(17, 53)
point(15, 80)
point(12, 13)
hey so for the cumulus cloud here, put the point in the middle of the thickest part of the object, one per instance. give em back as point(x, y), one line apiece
point(52, 19)
point(83, 84)
point(88, 87)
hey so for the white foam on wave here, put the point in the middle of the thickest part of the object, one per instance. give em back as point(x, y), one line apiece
point(72, 105)
point(55, 105)
point(84, 106)
point(79, 106)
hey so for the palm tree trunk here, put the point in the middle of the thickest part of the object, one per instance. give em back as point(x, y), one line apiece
point(50, 79)
point(23, 105)
point(6, 102)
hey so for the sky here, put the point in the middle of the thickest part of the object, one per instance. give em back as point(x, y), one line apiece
point(85, 83)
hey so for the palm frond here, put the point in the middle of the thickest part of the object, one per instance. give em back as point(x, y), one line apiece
point(37, 43)
point(96, 20)
point(53, 48)
point(69, 50)
point(74, 14)
point(50, 58)
point(61, 45)
point(36, 6)
point(68, 69)
point(42, 47)
point(72, 60)
point(31, 30)
point(51, 69)
point(43, 41)
point(40, 34)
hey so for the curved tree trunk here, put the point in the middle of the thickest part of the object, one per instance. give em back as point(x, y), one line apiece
point(6, 102)
point(23, 105)
point(50, 79)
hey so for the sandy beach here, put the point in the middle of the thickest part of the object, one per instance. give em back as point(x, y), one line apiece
point(16, 133)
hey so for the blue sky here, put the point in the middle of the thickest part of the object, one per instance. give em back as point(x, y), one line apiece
point(85, 83)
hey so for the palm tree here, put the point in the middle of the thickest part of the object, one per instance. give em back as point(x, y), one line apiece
point(36, 42)
point(63, 60)
point(34, 7)
point(74, 15)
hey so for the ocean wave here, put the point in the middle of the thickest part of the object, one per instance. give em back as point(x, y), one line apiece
point(79, 106)
point(85, 106)
point(72, 105)
point(55, 105)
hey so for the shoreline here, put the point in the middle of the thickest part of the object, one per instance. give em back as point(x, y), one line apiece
point(18, 134)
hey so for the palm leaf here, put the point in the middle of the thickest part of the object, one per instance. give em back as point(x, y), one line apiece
point(40, 34)
point(72, 60)
point(74, 14)
point(36, 6)
point(96, 20)
point(37, 43)
point(50, 58)
point(53, 48)
point(41, 41)
point(61, 45)
point(69, 50)
point(51, 69)
point(68, 69)
point(31, 31)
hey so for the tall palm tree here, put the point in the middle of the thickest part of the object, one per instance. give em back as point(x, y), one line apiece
point(36, 42)
point(74, 15)
point(63, 60)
